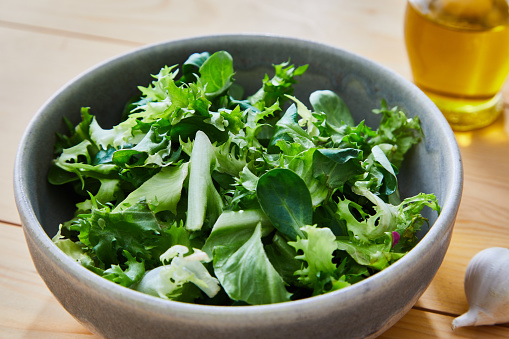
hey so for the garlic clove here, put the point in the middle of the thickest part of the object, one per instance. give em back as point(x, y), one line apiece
point(487, 289)
point(474, 317)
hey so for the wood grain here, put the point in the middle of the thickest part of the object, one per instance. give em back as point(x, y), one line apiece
point(417, 324)
point(482, 217)
point(34, 67)
point(371, 28)
point(27, 307)
point(45, 43)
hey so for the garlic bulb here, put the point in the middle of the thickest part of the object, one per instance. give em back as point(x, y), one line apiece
point(487, 289)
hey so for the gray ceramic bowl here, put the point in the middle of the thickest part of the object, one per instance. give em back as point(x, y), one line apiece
point(365, 309)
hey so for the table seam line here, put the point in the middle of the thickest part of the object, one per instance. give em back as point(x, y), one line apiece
point(447, 314)
point(11, 223)
point(65, 33)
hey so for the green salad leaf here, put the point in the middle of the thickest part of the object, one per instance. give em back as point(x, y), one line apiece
point(247, 274)
point(216, 73)
point(285, 199)
point(207, 194)
point(204, 202)
point(333, 106)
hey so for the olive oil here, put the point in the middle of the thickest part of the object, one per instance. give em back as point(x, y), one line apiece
point(459, 55)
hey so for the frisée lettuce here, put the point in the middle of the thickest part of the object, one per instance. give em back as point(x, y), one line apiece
point(205, 194)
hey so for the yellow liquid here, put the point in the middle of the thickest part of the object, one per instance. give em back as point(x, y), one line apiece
point(460, 63)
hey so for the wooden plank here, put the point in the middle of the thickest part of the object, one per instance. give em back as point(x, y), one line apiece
point(417, 324)
point(370, 28)
point(446, 293)
point(33, 67)
point(23, 333)
point(29, 310)
point(27, 307)
point(49, 42)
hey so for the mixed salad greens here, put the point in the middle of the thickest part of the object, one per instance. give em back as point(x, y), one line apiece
point(203, 194)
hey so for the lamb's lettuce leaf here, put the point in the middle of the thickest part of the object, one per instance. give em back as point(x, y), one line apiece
point(285, 199)
point(334, 107)
point(216, 73)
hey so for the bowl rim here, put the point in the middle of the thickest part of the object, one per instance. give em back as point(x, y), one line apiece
point(444, 221)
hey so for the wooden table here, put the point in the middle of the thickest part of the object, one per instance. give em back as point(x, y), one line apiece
point(45, 43)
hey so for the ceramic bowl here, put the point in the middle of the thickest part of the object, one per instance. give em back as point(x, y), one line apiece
point(365, 309)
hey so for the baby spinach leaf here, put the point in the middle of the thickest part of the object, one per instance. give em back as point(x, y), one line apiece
point(302, 164)
point(187, 128)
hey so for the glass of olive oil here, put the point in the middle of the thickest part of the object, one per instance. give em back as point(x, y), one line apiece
point(459, 56)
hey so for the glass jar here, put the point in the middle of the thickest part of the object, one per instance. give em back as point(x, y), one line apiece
point(459, 56)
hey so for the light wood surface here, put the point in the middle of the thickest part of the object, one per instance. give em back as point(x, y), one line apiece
point(45, 43)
